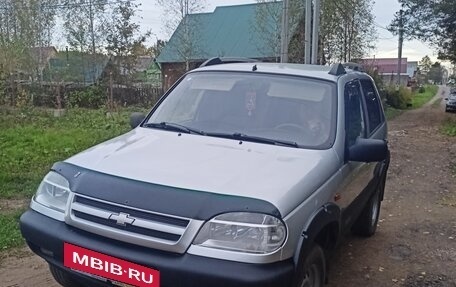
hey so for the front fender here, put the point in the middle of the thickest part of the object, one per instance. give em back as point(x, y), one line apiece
point(327, 215)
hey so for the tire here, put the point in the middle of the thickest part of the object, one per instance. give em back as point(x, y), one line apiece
point(63, 278)
point(366, 224)
point(312, 272)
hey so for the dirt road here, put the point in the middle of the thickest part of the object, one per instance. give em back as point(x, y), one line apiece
point(416, 241)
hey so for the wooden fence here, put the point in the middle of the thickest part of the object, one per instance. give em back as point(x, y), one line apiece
point(58, 95)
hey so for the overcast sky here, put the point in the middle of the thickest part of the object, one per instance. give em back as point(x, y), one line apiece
point(152, 19)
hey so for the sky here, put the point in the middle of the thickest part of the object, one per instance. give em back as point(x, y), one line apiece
point(387, 45)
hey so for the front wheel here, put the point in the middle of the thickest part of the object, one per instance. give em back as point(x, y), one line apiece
point(366, 224)
point(311, 273)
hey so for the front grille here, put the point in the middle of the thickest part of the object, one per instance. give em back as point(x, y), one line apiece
point(132, 212)
point(132, 225)
point(129, 228)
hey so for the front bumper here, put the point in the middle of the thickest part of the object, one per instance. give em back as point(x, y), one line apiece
point(451, 107)
point(46, 237)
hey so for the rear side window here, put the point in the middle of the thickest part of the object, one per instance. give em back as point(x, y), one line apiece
point(354, 120)
point(374, 114)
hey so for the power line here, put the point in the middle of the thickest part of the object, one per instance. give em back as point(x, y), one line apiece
point(380, 26)
point(389, 38)
point(68, 5)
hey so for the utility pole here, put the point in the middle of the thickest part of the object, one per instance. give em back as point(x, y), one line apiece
point(308, 33)
point(92, 32)
point(316, 32)
point(285, 33)
point(40, 42)
point(187, 44)
point(401, 42)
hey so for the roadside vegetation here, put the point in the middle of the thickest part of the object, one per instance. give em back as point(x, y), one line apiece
point(31, 140)
point(424, 95)
point(449, 127)
point(399, 100)
point(391, 112)
point(10, 236)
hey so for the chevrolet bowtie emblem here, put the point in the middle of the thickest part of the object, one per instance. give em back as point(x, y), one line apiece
point(122, 218)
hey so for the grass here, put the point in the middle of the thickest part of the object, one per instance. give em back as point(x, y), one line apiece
point(419, 99)
point(10, 236)
point(404, 99)
point(449, 127)
point(31, 140)
point(391, 113)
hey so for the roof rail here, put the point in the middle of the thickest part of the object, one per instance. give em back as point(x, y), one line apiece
point(227, 60)
point(337, 70)
point(354, 66)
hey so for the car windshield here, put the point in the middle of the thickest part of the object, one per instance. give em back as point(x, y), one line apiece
point(290, 109)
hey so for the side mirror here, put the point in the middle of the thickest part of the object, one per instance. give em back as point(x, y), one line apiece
point(368, 150)
point(136, 119)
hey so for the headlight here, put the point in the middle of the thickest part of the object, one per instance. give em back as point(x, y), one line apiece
point(243, 232)
point(53, 192)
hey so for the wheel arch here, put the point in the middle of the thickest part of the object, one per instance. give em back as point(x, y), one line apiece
point(380, 173)
point(323, 228)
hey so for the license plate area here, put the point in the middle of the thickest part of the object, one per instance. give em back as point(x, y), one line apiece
point(115, 283)
point(101, 266)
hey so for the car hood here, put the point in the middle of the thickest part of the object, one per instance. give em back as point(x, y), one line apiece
point(283, 176)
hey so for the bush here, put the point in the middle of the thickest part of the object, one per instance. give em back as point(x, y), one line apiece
point(92, 97)
point(422, 89)
point(398, 98)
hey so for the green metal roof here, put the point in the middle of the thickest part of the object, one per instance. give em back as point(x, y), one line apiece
point(227, 32)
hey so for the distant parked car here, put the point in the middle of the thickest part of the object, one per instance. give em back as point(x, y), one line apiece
point(451, 102)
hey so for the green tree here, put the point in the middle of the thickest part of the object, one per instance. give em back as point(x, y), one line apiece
point(157, 47)
point(187, 37)
point(24, 25)
point(124, 41)
point(436, 73)
point(347, 29)
point(431, 21)
point(85, 24)
point(267, 25)
point(425, 65)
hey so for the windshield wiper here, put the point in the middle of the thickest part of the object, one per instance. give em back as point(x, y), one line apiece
point(174, 126)
point(244, 137)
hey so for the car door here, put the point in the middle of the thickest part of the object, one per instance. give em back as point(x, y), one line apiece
point(356, 175)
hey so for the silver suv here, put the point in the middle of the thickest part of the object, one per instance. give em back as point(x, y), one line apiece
point(243, 174)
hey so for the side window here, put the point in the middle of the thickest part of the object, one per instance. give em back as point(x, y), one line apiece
point(373, 106)
point(354, 121)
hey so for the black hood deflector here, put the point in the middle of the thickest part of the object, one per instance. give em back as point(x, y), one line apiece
point(187, 203)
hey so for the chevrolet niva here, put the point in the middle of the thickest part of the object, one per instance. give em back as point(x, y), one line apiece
point(243, 174)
